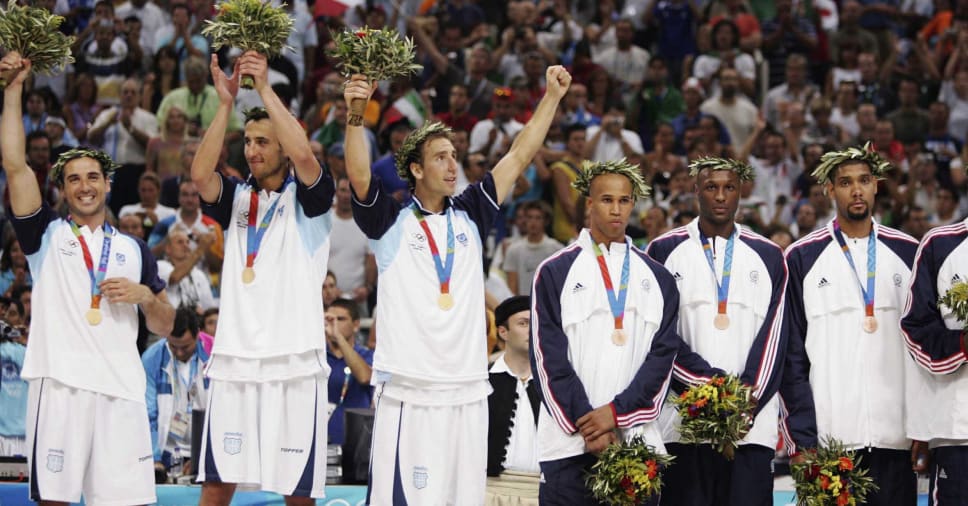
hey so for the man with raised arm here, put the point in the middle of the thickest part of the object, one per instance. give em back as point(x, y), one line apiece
point(82, 361)
point(430, 433)
point(266, 420)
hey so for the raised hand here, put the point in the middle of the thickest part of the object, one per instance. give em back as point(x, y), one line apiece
point(558, 80)
point(226, 87)
point(14, 69)
point(358, 87)
point(255, 64)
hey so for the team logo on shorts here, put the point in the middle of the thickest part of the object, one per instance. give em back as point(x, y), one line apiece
point(55, 463)
point(232, 445)
point(420, 476)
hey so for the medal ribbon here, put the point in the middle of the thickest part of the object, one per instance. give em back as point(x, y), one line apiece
point(96, 276)
point(253, 237)
point(617, 304)
point(443, 268)
point(722, 289)
point(871, 265)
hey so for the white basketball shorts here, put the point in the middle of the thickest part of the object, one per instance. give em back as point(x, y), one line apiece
point(271, 435)
point(434, 455)
point(85, 443)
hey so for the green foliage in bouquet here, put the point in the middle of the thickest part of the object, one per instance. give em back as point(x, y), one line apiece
point(956, 298)
point(250, 25)
point(719, 411)
point(627, 473)
point(35, 34)
point(829, 477)
point(377, 54)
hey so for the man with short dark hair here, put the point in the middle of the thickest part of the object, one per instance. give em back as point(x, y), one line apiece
point(731, 295)
point(350, 365)
point(524, 255)
point(175, 368)
point(82, 362)
point(604, 338)
point(430, 361)
point(278, 225)
point(844, 298)
point(611, 140)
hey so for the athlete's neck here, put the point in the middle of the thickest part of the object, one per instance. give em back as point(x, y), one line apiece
point(273, 182)
point(602, 239)
point(92, 222)
point(712, 230)
point(430, 201)
point(855, 228)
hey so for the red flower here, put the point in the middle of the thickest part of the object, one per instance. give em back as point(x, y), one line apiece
point(846, 464)
point(719, 381)
point(813, 472)
point(824, 482)
point(843, 499)
point(626, 482)
point(701, 402)
point(361, 34)
point(651, 469)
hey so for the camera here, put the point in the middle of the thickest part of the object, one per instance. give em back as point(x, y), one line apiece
point(8, 332)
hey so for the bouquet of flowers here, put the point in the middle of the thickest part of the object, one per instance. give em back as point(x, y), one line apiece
point(628, 473)
point(719, 411)
point(34, 33)
point(956, 298)
point(377, 54)
point(250, 25)
point(829, 477)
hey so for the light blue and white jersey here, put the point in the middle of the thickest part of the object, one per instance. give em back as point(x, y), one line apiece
point(420, 343)
point(101, 358)
point(272, 328)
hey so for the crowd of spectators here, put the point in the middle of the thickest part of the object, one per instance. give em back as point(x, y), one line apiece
point(775, 83)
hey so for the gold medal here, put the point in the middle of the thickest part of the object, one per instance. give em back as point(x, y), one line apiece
point(619, 337)
point(248, 275)
point(721, 321)
point(445, 301)
point(870, 324)
point(93, 316)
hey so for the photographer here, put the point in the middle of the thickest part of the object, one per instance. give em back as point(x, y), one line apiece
point(611, 140)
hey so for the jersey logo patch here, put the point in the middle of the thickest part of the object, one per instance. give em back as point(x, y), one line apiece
point(55, 463)
point(646, 285)
point(68, 248)
point(420, 476)
point(232, 445)
point(462, 239)
point(578, 287)
point(243, 219)
point(120, 258)
point(897, 279)
point(823, 283)
point(754, 277)
point(677, 276)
